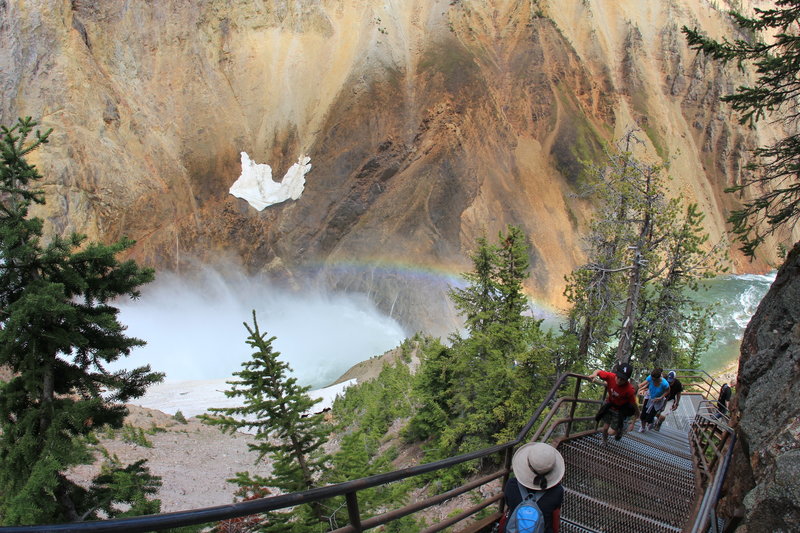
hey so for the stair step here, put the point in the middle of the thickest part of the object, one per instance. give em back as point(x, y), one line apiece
point(594, 515)
point(666, 439)
point(634, 451)
point(627, 485)
point(624, 481)
point(568, 526)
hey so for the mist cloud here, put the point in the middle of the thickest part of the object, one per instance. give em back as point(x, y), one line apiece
point(194, 330)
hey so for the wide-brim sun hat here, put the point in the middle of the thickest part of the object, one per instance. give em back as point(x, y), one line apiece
point(538, 466)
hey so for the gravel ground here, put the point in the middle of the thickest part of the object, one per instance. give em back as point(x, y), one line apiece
point(194, 460)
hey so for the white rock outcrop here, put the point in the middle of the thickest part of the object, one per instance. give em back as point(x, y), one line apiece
point(257, 187)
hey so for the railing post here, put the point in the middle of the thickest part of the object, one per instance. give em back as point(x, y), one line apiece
point(574, 405)
point(507, 468)
point(352, 510)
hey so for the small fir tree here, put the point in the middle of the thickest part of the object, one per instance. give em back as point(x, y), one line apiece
point(58, 333)
point(277, 408)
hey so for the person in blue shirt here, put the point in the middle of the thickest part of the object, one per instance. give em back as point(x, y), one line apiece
point(655, 390)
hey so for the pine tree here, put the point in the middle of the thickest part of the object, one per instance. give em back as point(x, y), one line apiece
point(433, 382)
point(493, 304)
point(477, 303)
point(595, 289)
point(466, 389)
point(670, 313)
point(775, 176)
point(58, 333)
point(512, 268)
point(645, 192)
point(646, 255)
point(276, 407)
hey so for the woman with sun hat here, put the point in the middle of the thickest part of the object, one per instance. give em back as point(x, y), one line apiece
point(538, 468)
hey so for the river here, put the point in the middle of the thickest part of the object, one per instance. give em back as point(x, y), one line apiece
point(736, 298)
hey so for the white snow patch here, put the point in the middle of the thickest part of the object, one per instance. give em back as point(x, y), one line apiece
point(193, 398)
point(257, 187)
point(325, 397)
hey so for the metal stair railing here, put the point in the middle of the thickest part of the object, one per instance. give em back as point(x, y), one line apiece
point(711, 440)
point(349, 489)
point(564, 418)
point(707, 452)
point(698, 381)
point(706, 517)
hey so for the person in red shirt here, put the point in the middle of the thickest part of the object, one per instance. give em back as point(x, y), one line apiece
point(620, 402)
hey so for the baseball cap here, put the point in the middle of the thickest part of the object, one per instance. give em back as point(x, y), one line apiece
point(623, 370)
point(671, 376)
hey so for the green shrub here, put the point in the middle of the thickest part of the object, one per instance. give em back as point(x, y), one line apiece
point(134, 435)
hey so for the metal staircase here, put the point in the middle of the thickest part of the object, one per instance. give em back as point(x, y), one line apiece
point(665, 481)
point(643, 482)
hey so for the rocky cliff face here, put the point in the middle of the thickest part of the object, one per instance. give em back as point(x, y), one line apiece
point(429, 123)
point(762, 486)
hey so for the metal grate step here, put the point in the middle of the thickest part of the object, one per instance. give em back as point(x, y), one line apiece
point(568, 526)
point(669, 440)
point(627, 485)
point(597, 516)
point(634, 451)
point(646, 491)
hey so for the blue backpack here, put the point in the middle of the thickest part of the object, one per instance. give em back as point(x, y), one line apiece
point(527, 517)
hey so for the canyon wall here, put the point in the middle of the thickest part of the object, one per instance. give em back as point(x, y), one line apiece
point(428, 123)
point(761, 491)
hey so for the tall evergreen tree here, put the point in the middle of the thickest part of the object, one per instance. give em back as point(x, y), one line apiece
point(277, 408)
point(58, 333)
point(466, 388)
point(433, 383)
point(477, 303)
point(494, 303)
point(645, 192)
point(670, 313)
point(645, 256)
point(595, 289)
point(772, 47)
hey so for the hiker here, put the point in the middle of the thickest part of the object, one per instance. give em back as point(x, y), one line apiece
point(674, 395)
point(724, 397)
point(620, 401)
point(538, 469)
point(657, 389)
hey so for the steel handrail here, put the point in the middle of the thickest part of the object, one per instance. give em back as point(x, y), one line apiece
point(711, 495)
point(274, 503)
point(349, 489)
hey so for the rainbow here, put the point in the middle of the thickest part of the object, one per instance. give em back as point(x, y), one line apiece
point(425, 275)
